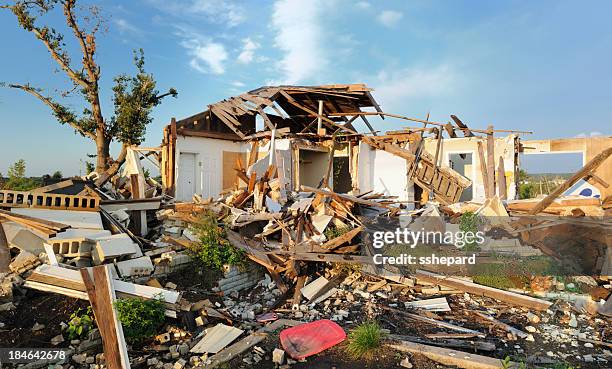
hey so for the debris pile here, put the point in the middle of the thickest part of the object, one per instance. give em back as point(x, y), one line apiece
point(303, 270)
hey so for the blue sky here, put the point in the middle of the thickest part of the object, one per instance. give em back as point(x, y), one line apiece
point(528, 65)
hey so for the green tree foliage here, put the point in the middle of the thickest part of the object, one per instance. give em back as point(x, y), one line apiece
point(89, 167)
point(214, 250)
point(141, 319)
point(57, 175)
point(17, 181)
point(526, 191)
point(134, 97)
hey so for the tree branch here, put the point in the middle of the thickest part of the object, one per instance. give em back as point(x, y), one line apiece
point(88, 51)
point(59, 111)
point(62, 63)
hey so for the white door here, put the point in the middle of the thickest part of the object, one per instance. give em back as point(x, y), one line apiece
point(186, 178)
point(208, 176)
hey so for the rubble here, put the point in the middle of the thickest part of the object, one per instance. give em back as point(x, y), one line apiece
point(305, 225)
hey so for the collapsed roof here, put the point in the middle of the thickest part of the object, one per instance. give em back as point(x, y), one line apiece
point(294, 107)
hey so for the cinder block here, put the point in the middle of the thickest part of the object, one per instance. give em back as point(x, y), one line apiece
point(28, 241)
point(135, 267)
point(72, 247)
point(108, 248)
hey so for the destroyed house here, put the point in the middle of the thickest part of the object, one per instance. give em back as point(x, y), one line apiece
point(306, 136)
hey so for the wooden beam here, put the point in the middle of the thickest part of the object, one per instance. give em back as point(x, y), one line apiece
point(55, 186)
point(332, 244)
point(367, 122)
point(209, 134)
point(102, 297)
point(490, 161)
point(343, 196)
point(483, 170)
point(297, 295)
point(450, 357)
point(501, 180)
point(462, 126)
point(292, 101)
point(590, 167)
point(479, 290)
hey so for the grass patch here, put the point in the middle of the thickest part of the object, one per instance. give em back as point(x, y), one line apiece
point(364, 340)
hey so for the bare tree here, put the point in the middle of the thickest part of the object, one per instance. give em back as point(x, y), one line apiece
point(133, 96)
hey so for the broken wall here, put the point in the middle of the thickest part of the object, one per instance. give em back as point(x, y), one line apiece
point(504, 147)
point(589, 147)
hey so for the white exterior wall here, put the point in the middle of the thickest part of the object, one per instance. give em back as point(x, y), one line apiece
point(208, 164)
point(380, 171)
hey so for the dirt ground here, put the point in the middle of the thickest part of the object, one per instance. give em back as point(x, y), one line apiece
point(49, 309)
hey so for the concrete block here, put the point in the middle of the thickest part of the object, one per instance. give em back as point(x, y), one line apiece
point(111, 247)
point(28, 241)
point(135, 267)
point(72, 247)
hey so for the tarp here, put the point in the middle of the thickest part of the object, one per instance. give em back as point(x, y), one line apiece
point(311, 338)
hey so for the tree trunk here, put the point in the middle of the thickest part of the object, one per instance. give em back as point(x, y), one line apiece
point(103, 152)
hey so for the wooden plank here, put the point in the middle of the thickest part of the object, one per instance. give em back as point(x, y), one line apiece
point(55, 186)
point(590, 167)
point(297, 295)
point(457, 358)
point(437, 323)
point(483, 170)
point(501, 180)
point(102, 296)
point(38, 222)
point(332, 244)
point(466, 131)
point(504, 326)
point(343, 196)
point(490, 161)
point(479, 290)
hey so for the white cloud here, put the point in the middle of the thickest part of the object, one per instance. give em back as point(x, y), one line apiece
point(226, 11)
point(218, 11)
point(248, 51)
point(389, 18)
point(299, 34)
point(238, 84)
point(207, 56)
point(393, 89)
point(363, 5)
point(124, 26)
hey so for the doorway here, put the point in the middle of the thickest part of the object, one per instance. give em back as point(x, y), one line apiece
point(462, 163)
